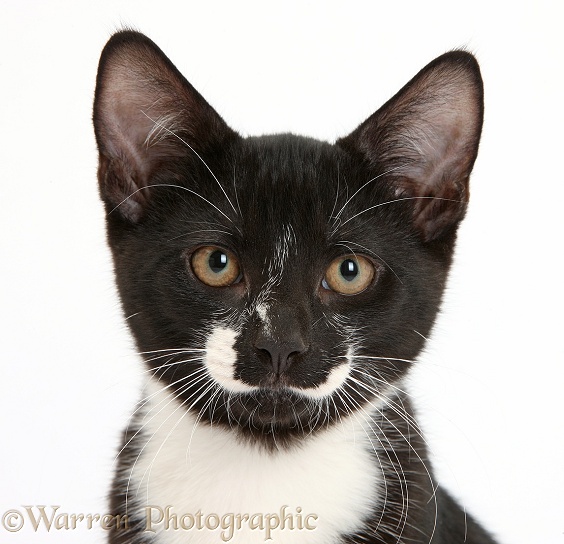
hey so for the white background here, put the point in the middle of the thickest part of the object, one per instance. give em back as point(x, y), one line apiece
point(490, 386)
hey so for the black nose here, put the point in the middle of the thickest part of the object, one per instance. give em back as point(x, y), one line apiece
point(281, 352)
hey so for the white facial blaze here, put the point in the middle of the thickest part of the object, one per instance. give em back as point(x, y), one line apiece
point(285, 245)
point(220, 358)
point(262, 311)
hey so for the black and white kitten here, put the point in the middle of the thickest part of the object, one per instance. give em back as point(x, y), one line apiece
point(279, 289)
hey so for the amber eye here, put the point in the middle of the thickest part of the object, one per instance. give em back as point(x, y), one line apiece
point(349, 275)
point(215, 266)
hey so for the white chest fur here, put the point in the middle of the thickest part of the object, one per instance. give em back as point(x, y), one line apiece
point(328, 485)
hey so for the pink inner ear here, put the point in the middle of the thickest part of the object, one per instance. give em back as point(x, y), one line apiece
point(145, 114)
point(427, 138)
point(443, 140)
point(440, 142)
point(135, 100)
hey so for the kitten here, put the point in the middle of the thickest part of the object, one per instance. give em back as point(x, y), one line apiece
point(279, 289)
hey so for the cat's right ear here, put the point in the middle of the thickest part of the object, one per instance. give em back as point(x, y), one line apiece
point(145, 115)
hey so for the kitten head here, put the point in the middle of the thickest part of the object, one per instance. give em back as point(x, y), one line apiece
point(277, 284)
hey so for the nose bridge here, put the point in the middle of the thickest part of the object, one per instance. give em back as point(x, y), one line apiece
point(285, 321)
point(280, 303)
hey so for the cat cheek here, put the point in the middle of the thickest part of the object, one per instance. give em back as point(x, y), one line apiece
point(220, 359)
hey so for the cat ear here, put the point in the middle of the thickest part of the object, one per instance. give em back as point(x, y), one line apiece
point(425, 140)
point(145, 115)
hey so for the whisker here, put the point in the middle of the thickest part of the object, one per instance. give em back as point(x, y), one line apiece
point(169, 364)
point(147, 399)
point(236, 194)
point(408, 442)
point(385, 358)
point(400, 411)
point(166, 129)
point(179, 350)
point(363, 186)
point(172, 396)
point(401, 477)
point(342, 242)
point(336, 194)
point(172, 185)
point(397, 200)
point(170, 356)
point(368, 418)
point(198, 231)
point(181, 406)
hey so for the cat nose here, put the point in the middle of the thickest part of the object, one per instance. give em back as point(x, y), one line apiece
point(280, 352)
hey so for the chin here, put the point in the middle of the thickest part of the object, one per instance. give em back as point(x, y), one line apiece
point(276, 414)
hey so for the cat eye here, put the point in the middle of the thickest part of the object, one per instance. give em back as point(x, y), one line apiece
point(349, 275)
point(215, 266)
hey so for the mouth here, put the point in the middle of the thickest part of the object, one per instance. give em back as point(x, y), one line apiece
point(274, 404)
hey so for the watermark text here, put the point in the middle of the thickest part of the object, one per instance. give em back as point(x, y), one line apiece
point(155, 519)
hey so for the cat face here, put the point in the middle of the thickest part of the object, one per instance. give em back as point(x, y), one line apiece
point(278, 284)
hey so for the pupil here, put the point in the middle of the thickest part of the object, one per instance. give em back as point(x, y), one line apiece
point(349, 270)
point(217, 261)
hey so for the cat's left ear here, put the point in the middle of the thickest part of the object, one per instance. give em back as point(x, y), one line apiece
point(425, 140)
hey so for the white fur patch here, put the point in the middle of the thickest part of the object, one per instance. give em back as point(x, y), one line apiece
point(262, 310)
point(193, 468)
point(285, 245)
point(335, 379)
point(220, 358)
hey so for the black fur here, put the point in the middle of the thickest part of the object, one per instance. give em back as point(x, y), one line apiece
point(163, 201)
